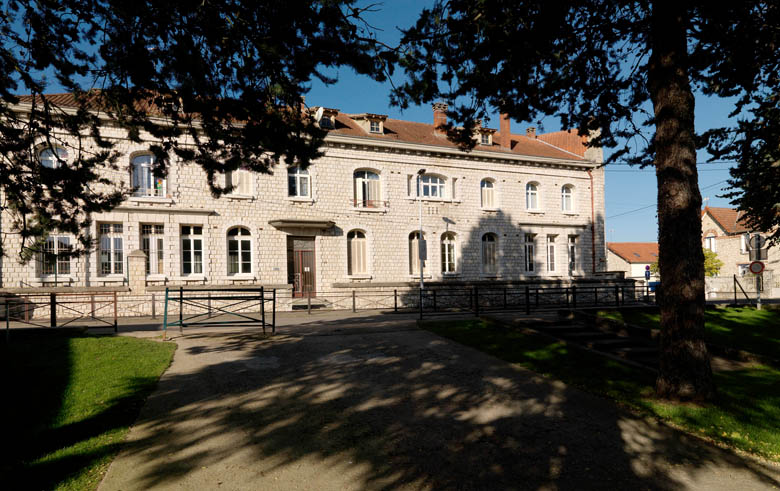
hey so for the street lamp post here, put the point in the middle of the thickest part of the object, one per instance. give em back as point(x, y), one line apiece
point(420, 238)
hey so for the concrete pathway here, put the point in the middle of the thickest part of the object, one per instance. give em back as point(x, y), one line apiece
point(371, 402)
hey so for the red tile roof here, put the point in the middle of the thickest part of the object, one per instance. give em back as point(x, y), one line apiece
point(558, 145)
point(635, 252)
point(731, 220)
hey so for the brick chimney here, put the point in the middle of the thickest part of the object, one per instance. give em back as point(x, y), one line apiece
point(506, 131)
point(531, 132)
point(439, 118)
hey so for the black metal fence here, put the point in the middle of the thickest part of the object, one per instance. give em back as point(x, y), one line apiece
point(222, 307)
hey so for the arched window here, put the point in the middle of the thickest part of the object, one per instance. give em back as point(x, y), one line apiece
point(532, 196)
point(357, 259)
point(490, 253)
point(367, 190)
point(488, 189)
point(567, 198)
point(448, 257)
point(415, 253)
point(144, 180)
point(51, 158)
point(298, 182)
point(239, 251)
point(432, 186)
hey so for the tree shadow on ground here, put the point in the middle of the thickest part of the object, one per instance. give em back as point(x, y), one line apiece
point(382, 410)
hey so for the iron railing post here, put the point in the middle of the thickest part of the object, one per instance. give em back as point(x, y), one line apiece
point(262, 307)
point(273, 313)
point(165, 314)
point(527, 301)
point(53, 310)
point(354, 305)
point(421, 303)
point(574, 297)
point(434, 299)
point(181, 310)
point(395, 300)
point(116, 314)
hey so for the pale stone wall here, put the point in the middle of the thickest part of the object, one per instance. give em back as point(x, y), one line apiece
point(188, 202)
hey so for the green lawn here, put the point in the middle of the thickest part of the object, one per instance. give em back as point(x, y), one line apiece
point(746, 413)
point(69, 400)
point(744, 328)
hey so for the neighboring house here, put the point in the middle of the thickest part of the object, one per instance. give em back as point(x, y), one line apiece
point(632, 258)
point(516, 207)
point(723, 232)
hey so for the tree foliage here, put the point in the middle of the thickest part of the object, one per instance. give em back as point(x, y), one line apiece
point(712, 264)
point(597, 66)
point(228, 75)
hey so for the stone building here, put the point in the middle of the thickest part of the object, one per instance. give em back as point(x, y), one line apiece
point(723, 232)
point(518, 207)
point(632, 258)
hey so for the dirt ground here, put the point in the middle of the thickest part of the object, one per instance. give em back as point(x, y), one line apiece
point(371, 402)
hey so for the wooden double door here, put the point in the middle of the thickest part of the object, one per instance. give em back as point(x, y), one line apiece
point(301, 270)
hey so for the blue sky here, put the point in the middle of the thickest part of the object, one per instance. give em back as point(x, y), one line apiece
point(630, 192)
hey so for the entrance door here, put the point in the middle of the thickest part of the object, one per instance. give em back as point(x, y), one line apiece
point(300, 265)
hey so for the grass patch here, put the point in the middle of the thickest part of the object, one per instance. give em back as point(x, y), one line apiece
point(745, 414)
point(71, 399)
point(745, 328)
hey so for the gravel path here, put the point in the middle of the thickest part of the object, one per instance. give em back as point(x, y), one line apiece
point(371, 402)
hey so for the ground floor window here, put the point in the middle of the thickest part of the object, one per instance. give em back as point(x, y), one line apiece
point(239, 251)
point(572, 253)
point(530, 264)
point(489, 254)
point(54, 257)
point(111, 251)
point(550, 253)
point(356, 253)
point(152, 245)
point(448, 263)
point(191, 249)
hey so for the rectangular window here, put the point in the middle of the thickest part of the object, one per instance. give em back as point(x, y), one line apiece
point(743, 244)
point(152, 245)
point(111, 251)
point(375, 127)
point(485, 139)
point(241, 180)
point(298, 182)
point(572, 253)
point(191, 250)
point(530, 264)
point(54, 258)
point(550, 253)
point(709, 243)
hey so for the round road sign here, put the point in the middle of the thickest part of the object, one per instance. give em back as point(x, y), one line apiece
point(756, 267)
point(647, 268)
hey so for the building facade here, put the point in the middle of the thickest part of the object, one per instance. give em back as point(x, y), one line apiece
point(632, 258)
point(724, 232)
point(516, 208)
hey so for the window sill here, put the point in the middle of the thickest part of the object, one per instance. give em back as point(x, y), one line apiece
point(150, 199)
point(300, 199)
point(359, 277)
point(447, 276)
point(52, 278)
point(239, 196)
point(492, 210)
point(535, 212)
point(571, 213)
point(190, 277)
point(369, 210)
point(108, 279)
point(242, 277)
point(156, 277)
point(433, 200)
point(426, 276)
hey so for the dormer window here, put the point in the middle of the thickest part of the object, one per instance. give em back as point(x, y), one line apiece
point(376, 127)
point(371, 123)
point(326, 123)
point(484, 139)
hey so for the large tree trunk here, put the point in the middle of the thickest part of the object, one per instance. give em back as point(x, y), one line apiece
point(685, 371)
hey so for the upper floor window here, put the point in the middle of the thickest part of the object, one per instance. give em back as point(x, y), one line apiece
point(51, 158)
point(191, 249)
point(567, 198)
point(367, 189)
point(111, 248)
point(55, 256)
point(710, 243)
point(357, 257)
point(532, 196)
point(152, 245)
point(298, 182)
point(417, 253)
point(241, 180)
point(448, 258)
point(432, 186)
point(490, 253)
point(239, 251)
point(484, 139)
point(488, 190)
point(375, 127)
point(144, 180)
